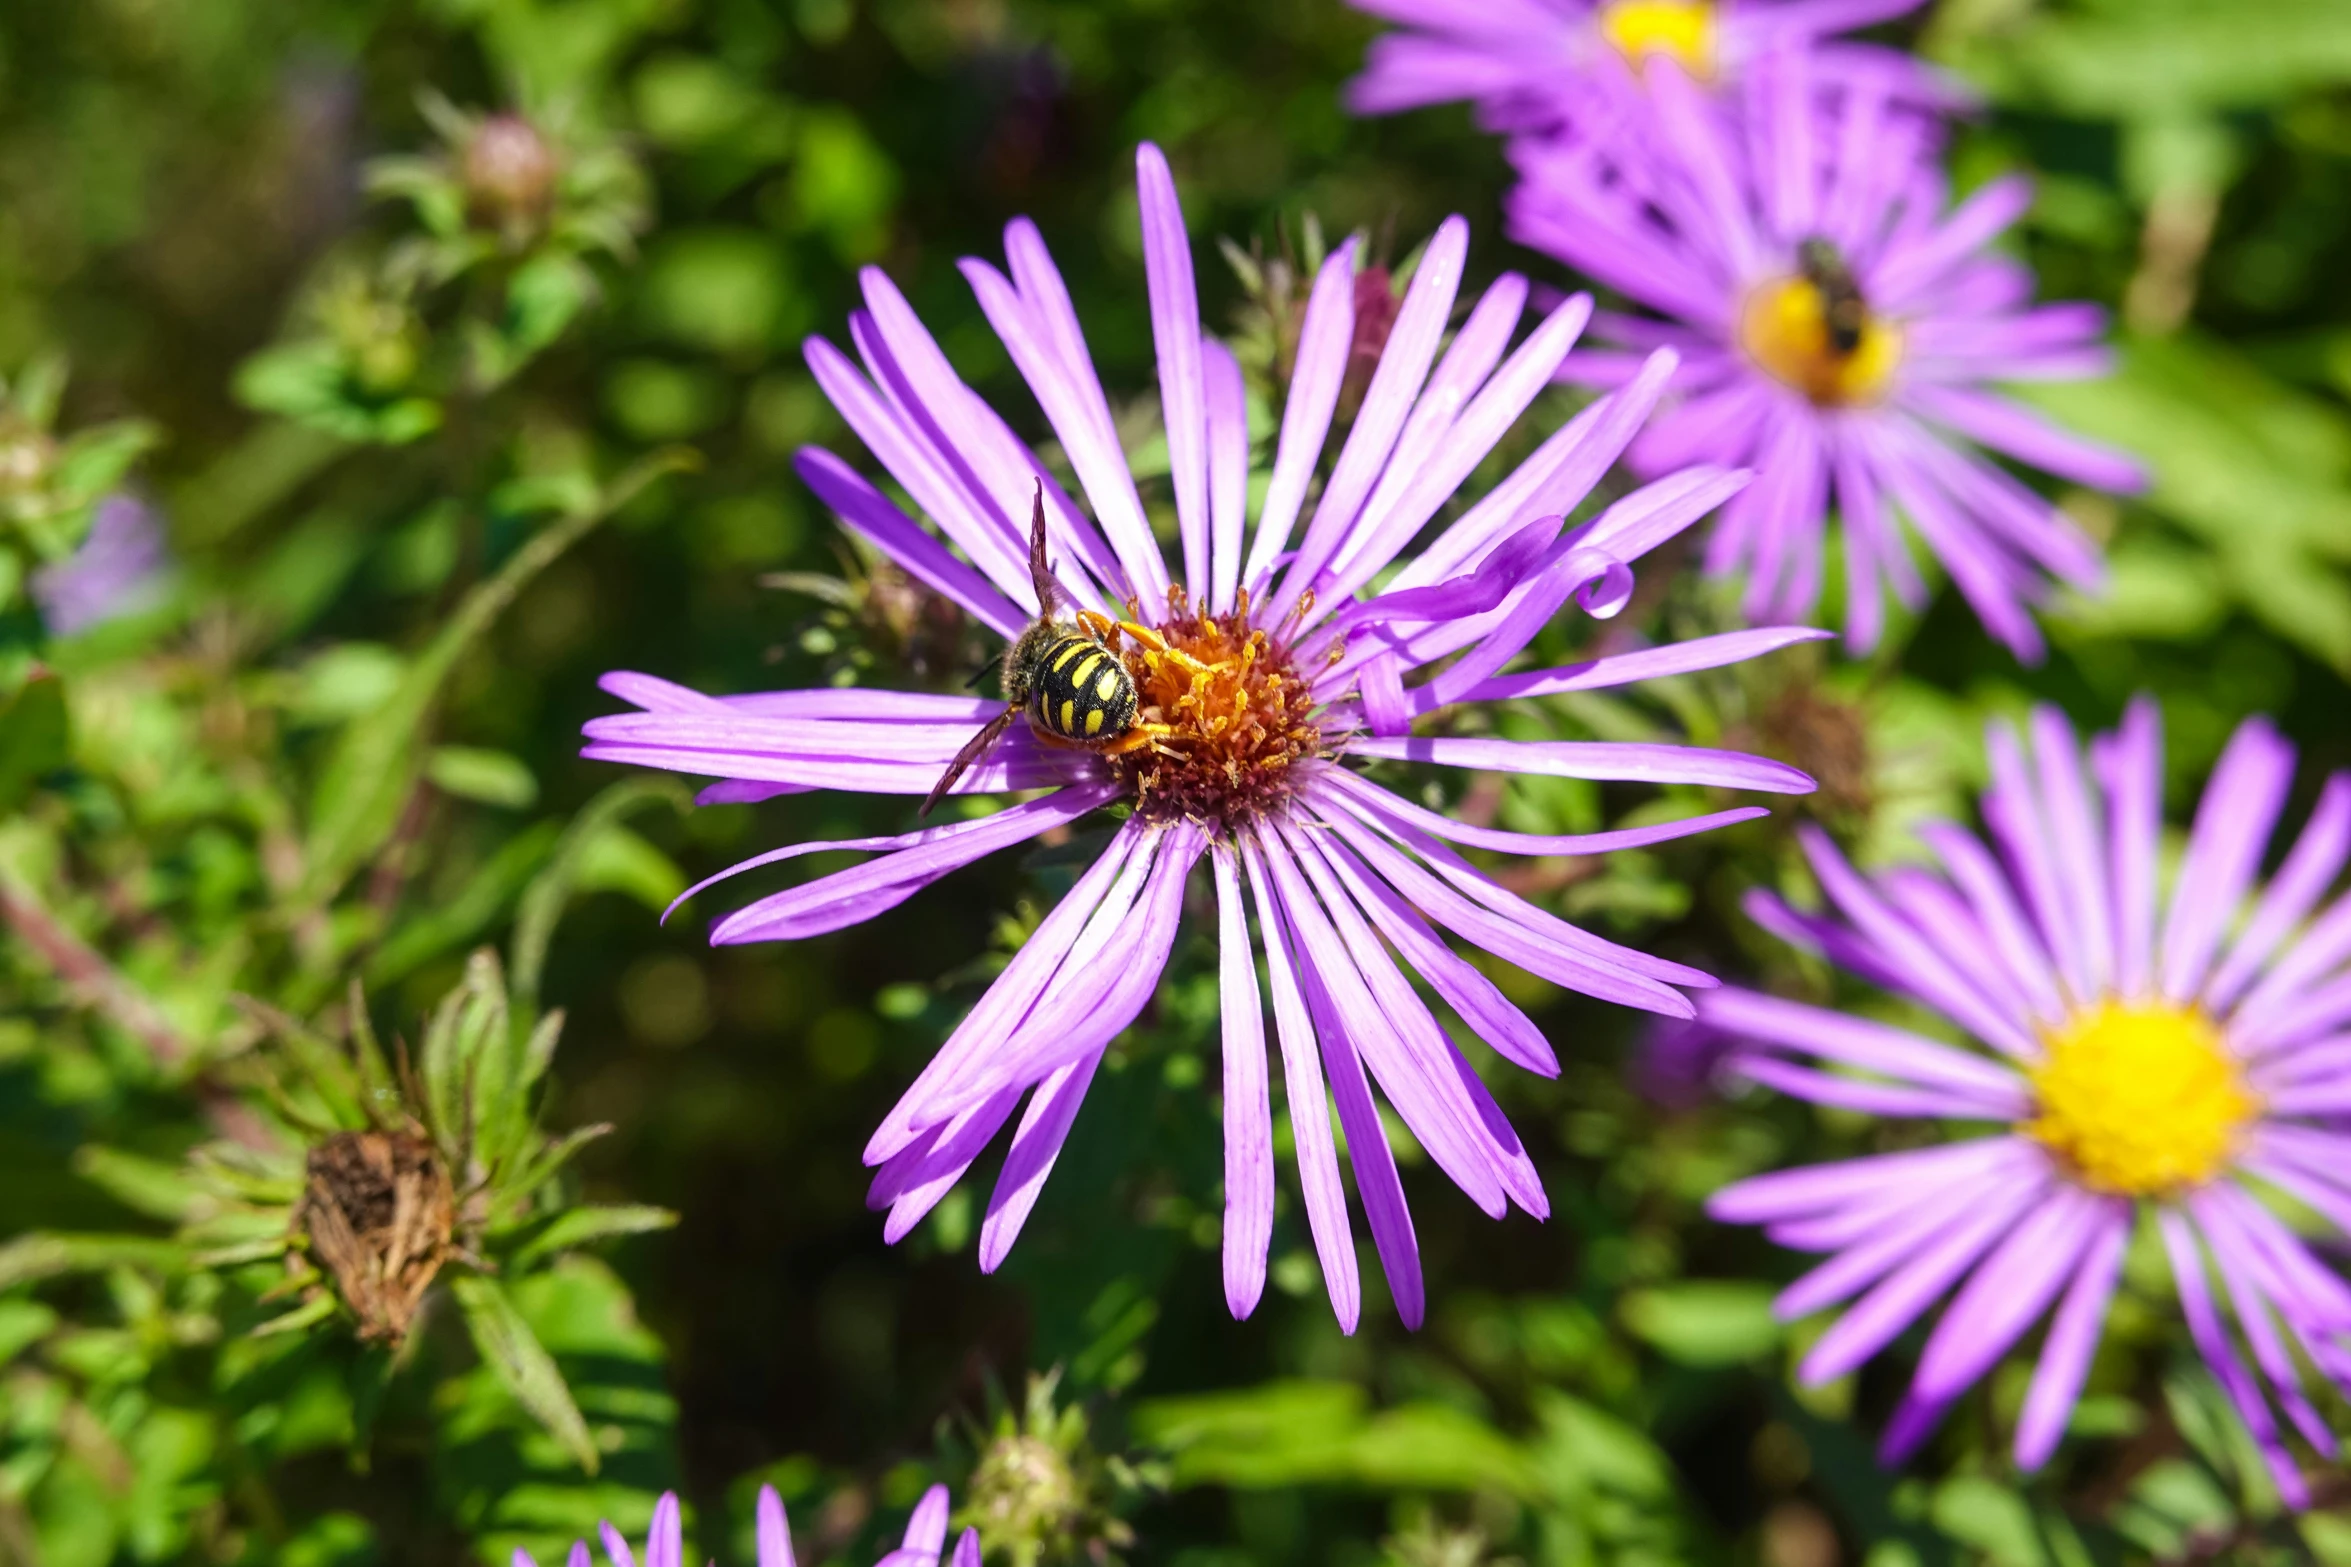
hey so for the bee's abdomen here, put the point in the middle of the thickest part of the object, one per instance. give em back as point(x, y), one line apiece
point(1082, 692)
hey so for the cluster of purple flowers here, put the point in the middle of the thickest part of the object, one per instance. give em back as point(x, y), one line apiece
point(1770, 197)
point(1817, 327)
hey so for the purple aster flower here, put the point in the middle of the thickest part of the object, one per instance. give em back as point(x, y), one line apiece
point(1267, 673)
point(2148, 1054)
point(118, 570)
point(1533, 65)
point(1840, 325)
point(665, 1545)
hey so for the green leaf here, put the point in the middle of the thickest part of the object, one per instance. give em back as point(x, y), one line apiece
point(368, 778)
point(452, 923)
point(1704, 1322)
point(1306, 1433)
point(589, 855)
point(2257, 473)
point(33, 736)
point(510, 1349)
point(42, 1255)
point(495, 1466)
point(2120, 62)
point(576, 1227)
point(149, 1186)
point(317, 1309)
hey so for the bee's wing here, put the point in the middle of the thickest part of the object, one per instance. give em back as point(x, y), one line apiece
point(1041, 569)
point(973, 749)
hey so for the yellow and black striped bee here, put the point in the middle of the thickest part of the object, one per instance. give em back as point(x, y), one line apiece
point(1066, 675)
point(1843, 309)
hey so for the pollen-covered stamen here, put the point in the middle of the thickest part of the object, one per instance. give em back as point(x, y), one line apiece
point(1816, 332)
point(2140, 1099)
point(1237, 716)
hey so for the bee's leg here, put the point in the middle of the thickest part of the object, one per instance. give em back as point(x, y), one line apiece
point(1105, 630)
point(973, 750)
point(1137, 737)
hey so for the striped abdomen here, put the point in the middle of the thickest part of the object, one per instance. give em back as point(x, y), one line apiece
point(1081, 692)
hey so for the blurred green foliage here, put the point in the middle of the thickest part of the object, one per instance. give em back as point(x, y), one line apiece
point(394, 308)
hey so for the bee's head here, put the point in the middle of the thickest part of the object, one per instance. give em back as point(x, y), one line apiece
point(1021, 658)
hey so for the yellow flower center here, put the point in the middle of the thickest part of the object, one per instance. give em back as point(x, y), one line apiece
point(2140, 1098)
point(1679, 30)
point(1823, 342)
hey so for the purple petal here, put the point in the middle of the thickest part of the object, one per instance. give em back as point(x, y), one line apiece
point(1536, 942)
point(926, 1531)
point(2204, 1326)
point(1379, 1018)
point(1228, 471)
point(914, 463)
point(1404, 366)
point(2072, 1340)
point(2075, 832)
point(998, 830)
point(1400, 809)
point(2003, 426)
point(1048, 348)
point(1872, 1046)
point(1847, 1093)
point(1421, 479)
point(2246, 1274)
point(1481, 1004)
point(2130, 768)
point(1310, 1116)
point(665, 1546)
point(1096, 996)
point(1989, 896)
point(1175, 329)
point(1607, 761)
point(1897, 1302)
point(1784, 1194)
point(1248, 1106)
point(2233, 822)
point(1053, 1106)
point(1881, 1231)
point(1367, 1140)
point(1114, 877)
point(869, 513)
point(1552, 481)
point(1320, 371)
point(2311, 868)
point(1917, 957)
point(2010, 1291)
point(860, 893)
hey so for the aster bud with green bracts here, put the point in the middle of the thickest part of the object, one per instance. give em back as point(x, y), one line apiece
point(1042, 1492)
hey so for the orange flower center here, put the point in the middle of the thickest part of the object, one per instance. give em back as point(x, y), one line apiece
point(1238, 712)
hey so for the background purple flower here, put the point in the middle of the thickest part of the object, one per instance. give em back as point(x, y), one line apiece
point(2171, 1054)
point(665, 1546)
point(1279, 672)
point(1841, 325)
point(118, 570)
point(1532, 65)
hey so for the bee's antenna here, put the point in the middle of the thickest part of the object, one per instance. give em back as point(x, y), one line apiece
point(1041, 569)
